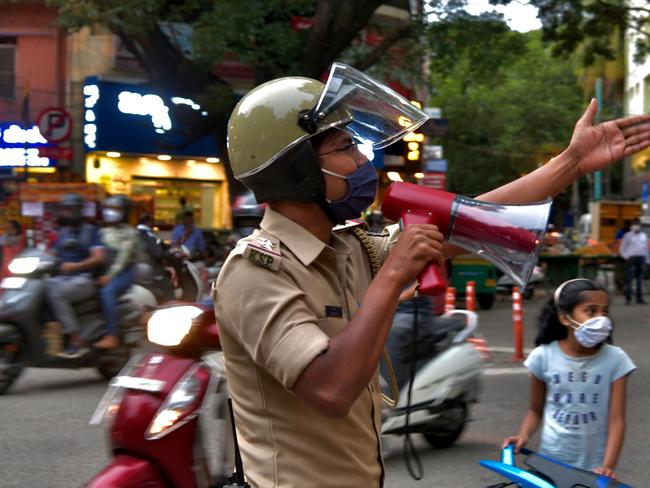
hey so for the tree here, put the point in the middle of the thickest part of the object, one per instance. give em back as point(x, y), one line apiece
point(510, 105)
point(261, 33)
point(569, 24)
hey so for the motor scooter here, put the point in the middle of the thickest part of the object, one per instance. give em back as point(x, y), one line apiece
point(176, 276)
point(159, 407)
point(545, 472)
point(447, 380)
point(29, 337)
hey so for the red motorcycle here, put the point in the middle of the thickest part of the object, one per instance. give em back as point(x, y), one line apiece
point(156, 409)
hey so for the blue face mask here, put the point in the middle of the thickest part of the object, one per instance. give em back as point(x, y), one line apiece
point(362, 187)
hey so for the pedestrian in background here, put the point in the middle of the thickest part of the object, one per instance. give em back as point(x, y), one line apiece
point(578, 381)
point(619, 268)
point(13, 242)
point(635, 251)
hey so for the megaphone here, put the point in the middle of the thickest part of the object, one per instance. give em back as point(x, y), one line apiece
point(509, 236)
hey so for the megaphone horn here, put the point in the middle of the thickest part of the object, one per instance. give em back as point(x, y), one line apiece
point(509, 236)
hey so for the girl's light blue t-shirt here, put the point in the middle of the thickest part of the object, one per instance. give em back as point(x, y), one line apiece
point(577, 401)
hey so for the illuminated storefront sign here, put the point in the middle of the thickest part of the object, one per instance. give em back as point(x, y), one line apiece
point(19, 147)
point(136, 119)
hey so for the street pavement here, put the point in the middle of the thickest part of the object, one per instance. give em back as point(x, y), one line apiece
point(46, 441)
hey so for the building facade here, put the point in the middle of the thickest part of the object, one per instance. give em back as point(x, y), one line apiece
point(33, 79)
point(637, 101)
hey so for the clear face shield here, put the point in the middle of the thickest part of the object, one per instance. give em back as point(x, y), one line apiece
point(378, 115)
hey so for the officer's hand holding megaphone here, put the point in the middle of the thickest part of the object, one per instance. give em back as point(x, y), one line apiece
point(417, 246)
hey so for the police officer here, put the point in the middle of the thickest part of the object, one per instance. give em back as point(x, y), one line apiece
point(302, 320)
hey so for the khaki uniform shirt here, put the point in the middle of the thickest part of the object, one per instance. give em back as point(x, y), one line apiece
point(280, 296)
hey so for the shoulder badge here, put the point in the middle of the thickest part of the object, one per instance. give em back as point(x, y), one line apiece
point(349, 224)
point(263, 252)
point(213, 291)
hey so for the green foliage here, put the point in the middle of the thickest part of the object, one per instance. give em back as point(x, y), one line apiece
point(569, 24)
point(121, 14)
point(510, 105)
point(260, 33)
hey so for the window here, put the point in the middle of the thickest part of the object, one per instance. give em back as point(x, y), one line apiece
point(7, 67)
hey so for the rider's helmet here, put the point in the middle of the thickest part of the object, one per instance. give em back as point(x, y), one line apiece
point(116, 208)
point(272, 129)
point(70, 209)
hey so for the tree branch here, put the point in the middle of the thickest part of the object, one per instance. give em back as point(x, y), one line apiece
point(341, 29)
point(380, 49)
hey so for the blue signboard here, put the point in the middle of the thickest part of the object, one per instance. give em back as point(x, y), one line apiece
point(434, 166)
point(137, 119)
point(19, 146)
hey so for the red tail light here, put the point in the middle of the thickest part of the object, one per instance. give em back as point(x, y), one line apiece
point(482, 347)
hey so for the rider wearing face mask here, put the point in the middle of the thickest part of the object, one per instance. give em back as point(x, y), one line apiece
point(81, 254)
point(121, 241)
point(578, 381)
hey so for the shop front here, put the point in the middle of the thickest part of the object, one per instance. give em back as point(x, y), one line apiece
point(21, 150)
point(135, 147)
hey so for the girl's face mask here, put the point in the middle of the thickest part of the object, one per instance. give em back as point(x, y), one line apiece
point(593, 331)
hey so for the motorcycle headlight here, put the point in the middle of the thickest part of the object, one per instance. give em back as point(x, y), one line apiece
point(24, 265)
point(12, 283)
point(178, 406)
point(169, 326)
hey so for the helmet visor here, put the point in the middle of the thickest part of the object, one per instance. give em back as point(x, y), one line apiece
point(380, 116)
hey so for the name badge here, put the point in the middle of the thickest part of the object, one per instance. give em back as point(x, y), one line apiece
point(333, 311)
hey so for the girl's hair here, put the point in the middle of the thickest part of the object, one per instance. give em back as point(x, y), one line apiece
point(566, 297)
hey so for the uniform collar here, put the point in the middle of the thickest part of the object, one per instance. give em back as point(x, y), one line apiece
point(305, 245)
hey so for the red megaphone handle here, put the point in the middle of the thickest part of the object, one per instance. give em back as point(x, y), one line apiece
point(432, 279)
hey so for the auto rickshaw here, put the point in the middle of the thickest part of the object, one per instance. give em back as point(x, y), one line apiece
point(468, 267)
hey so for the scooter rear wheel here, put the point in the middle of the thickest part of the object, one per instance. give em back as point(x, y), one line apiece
point(11, 366)
point(111, 362)
point(455, 423)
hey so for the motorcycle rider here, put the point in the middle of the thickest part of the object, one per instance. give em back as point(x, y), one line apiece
point(187, 234)
point(156, 257)
point(121, 241)
point(302, 321)
point(81, 253)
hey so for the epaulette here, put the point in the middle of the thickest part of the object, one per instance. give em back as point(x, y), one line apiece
point(349, 224)
point(262, 251)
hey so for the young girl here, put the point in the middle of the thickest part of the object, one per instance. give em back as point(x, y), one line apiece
point(578, 381)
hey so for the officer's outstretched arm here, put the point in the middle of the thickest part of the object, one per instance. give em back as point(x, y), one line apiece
point(592, 148)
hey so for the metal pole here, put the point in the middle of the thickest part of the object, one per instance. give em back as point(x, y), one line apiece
point(518, 324)
point(598, 175)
